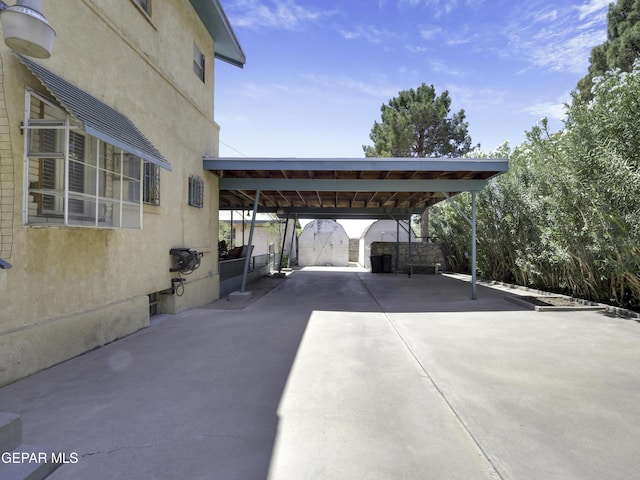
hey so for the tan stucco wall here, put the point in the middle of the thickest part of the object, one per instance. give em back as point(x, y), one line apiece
point(72, 289)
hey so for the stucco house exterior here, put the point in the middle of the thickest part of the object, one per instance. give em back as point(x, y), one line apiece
point(101, 170)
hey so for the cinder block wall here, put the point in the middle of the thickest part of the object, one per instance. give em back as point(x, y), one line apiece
point(421, 253)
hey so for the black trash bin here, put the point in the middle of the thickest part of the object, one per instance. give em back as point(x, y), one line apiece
point(386, 263)
point(376, 263)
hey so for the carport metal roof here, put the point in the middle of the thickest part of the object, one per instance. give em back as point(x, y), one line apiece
point(367, 188)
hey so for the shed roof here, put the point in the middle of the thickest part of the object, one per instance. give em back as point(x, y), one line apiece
point(368, 188)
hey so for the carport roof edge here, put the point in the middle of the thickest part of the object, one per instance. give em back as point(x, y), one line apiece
point(346, 187)
point(499, 165)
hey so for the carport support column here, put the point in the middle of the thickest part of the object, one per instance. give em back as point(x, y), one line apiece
point(293, 237)
point(473, 246)
point(471, 221)
point(409, 257)
point(250, 244)
point(284, 240)
point(397, 245)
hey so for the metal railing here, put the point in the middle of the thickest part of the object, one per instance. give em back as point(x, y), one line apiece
point(234, 268)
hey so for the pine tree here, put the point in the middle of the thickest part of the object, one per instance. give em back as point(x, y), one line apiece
point(621, 48)
point(416, 123)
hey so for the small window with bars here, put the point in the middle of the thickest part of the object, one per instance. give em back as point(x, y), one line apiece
point(196, 191)
point(151, 184)
point(198, 63)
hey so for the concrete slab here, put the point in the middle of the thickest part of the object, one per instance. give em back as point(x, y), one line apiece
point(340, 373)
point(241, 297)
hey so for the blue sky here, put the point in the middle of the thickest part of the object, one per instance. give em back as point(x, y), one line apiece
point(318, 71)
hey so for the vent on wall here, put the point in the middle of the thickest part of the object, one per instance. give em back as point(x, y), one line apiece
point(196, 191)
point(154, 304)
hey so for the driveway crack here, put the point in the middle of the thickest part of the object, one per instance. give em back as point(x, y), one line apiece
point(494, 473)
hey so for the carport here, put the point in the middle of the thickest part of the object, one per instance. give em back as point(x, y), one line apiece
point(351, 188)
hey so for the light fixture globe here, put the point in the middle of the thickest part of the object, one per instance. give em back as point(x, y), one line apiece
point(26, 30)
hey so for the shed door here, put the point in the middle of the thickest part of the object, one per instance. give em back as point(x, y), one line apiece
point(323, 248)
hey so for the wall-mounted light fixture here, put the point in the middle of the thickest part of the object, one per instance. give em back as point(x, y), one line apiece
point(25, 29)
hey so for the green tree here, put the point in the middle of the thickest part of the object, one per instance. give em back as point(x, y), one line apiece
point(621, 48)
point(417, 123)
point(565, 217)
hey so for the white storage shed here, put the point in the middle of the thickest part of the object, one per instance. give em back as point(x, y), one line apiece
point(382, 231)
point(323, 242)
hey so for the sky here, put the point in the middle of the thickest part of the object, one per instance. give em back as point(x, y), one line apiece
point(318, 71)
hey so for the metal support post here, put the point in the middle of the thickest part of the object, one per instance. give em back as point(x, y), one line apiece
point(409, 257)
point(473, 246)
point(250, 246)
point(231, 231)
point(293, 237)
point(243, 228)
point(397, 245)
point(284, 239)
point(471, 221)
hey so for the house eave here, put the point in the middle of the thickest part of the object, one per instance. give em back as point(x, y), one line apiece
point(227, 46)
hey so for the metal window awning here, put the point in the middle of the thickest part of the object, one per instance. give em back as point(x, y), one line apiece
point(368, 188)
point(98, 119)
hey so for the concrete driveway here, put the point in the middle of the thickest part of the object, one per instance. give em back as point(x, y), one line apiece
point(344, 374)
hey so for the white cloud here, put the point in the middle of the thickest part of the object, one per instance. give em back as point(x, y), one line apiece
point(469, 97)
point(430, 33)
point(329, 84)
point(371, 34)
point(552, 110)
point(443, 7)
point(441, 67)
point(417, 49)
point(599, 7)
point(287, 14)
point(440, 7)
point(557, 39)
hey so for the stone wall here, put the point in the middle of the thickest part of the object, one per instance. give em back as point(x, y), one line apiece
point(421, 253)
point(354, 247)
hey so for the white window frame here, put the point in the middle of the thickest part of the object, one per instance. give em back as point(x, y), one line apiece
point(60, 215)
point(199, 63)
